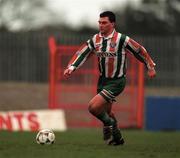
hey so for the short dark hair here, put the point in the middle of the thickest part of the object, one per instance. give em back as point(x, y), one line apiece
point(110, 15)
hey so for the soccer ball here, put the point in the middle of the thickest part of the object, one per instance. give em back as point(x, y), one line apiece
point(45, 136)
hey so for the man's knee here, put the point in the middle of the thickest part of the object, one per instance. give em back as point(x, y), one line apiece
point(95, 108)
point(96, 105)
point(90, 107)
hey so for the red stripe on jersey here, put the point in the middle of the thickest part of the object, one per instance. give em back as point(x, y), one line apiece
point(112, 49)
point(76, 54)
point(98, 39)
point(134, 44)
point(110, 66)
point(82, 47)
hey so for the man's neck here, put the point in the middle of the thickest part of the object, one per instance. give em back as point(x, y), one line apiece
point(108, 33)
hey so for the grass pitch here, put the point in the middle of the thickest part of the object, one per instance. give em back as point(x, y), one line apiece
point(87, 143)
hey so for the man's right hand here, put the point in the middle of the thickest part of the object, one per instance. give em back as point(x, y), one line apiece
point(67, 73)
point(151, 73)
point(151, 70)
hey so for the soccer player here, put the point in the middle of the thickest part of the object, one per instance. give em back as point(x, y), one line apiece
point(110, 47)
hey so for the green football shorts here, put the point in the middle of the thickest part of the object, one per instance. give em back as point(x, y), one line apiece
point(109, 88)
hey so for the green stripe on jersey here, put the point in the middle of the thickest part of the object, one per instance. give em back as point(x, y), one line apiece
point(81, 57)
point(136, 54)
point(91, 43)
point(119, 56)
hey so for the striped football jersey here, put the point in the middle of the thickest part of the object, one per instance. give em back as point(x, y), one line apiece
point(111, 52)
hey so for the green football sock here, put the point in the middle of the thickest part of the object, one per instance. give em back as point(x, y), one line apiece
point(104, 117)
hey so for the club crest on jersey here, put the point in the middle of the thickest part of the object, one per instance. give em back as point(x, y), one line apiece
point(112, 44)
point(98, 45)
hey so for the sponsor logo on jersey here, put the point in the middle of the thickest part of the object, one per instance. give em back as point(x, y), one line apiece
point(106, 54)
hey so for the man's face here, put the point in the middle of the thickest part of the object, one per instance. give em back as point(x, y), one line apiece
point(105, 26)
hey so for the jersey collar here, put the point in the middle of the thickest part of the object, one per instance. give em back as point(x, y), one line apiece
point(108, 37)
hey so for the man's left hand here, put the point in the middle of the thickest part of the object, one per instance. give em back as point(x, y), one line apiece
point(151, 73)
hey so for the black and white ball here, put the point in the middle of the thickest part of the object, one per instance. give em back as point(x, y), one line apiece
point(45, 136)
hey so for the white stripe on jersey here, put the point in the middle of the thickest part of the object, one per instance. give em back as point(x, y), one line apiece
point(89, 45)
point(106, 66)
point(116, 59)
point(107, 59)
